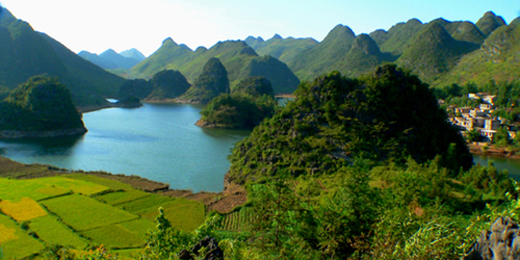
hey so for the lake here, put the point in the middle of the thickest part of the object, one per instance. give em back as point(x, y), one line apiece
point(157, 141)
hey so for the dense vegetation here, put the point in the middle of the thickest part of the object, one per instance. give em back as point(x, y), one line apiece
point(166, 84)
point(211, 82)
point(389, 115)
point(250, 102)
point(283, 49)
point(40, 104)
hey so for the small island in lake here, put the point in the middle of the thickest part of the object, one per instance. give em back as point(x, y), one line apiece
point(41, 107)
point(250, 102)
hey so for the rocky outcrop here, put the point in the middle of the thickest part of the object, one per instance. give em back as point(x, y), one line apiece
point(502, 241)
point(213, 251)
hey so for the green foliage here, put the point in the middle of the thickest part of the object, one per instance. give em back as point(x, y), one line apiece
point(40, 104)
point(386, 116)
point(238, 110)
point(283, 49)
point(211, 82)
point(165, 242)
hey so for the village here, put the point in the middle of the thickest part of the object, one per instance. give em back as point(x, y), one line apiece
point(480, 118)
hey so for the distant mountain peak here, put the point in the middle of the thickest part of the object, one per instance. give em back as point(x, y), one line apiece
point(489, 22)
point(133, 53)
point(341, 31)
point(365, 43)
point(168, 40)
point(276, 37)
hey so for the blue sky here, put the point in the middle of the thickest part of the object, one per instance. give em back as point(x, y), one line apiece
point(97, 25)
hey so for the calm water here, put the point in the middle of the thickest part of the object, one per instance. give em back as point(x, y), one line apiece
point(512, 166)
point(156, 141)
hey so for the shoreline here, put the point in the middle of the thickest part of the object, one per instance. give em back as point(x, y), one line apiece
point(478, 149)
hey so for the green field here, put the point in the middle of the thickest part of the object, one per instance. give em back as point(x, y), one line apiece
point(130, 234)
point(79, 211)
point(50, 230)
point(151, 202)
point(84, 213)
point(120, 197)
point(183, 214)
point(15, 243)
point(43, 188)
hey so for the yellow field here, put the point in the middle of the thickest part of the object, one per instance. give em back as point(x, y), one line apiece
point(25, 209)
point(7, 234)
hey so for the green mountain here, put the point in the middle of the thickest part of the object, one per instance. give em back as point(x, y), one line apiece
point(254, 42)
point(26, 53)
point(433, 52)
point(388, 115)
point(322, 57)
point(89, 84)
point(240, 60)
point(396, 39)
point(40, 104)
point(489, 22)
point(212, 82)
point(250, 102)
point(283, 49)
point(497, 59)
point(168, 84)
point(254, 86)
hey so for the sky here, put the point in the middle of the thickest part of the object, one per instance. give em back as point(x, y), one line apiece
point(97, 25)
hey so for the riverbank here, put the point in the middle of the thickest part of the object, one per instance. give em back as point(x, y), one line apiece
point(482, 148)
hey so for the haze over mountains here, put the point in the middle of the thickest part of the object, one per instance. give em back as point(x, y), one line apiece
point(113, 60)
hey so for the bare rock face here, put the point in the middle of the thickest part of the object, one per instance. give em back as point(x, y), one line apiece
point(501, 242)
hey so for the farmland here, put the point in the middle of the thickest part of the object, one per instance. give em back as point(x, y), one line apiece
point(79, 211)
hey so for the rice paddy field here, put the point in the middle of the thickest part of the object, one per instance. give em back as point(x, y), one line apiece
point(80, 211)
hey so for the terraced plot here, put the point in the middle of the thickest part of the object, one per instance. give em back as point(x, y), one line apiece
point(120, 197)
point(25, 209)
point(50, 230)
point(130, 234)
point(15, 243)
point(84, 213)
point(183, 214)
point(43, 188)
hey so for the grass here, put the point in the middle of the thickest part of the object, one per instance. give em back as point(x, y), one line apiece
point(84, 213)
point(151, 202)
point(25, 209)
point(183, 214)
point(15, 243)
point(44, 188)
point(51, 231)
point(120, 197)
point(130, 234)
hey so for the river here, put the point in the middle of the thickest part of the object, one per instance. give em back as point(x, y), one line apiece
point(157, 141)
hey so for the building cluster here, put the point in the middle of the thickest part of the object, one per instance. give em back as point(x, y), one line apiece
point(479, 118)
